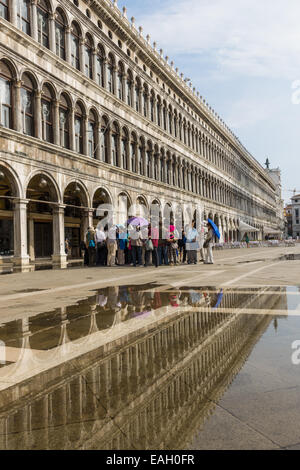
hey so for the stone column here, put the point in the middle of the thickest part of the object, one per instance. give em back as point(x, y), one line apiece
point(85, 130)
point(98, 142)
point(72, 129)
point(94, 57)
point(81, 55)
point(14, 13)
point(68, 44)
point(38, 114)
point(114, 80)
point(17, 105)
point(31, 239)
point(59, 257)
point(52, 42)
point(56, 123)
point(34, 28)
point(21, 258)
point(87, 221)
point(105, 74)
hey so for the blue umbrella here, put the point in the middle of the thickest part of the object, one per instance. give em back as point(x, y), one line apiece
point(215, 228)
point(219, 299)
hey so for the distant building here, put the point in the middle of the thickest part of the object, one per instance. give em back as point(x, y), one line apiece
point(288, 220)
point(295, 215)
point(275, 175)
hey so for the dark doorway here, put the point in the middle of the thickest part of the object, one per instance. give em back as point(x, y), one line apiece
point(73, 235)
point(43, 246)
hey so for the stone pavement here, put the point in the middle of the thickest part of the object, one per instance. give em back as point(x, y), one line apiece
point(211, 366)
point(45, 290)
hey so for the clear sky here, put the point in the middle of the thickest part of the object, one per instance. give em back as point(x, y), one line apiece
point(244, 59)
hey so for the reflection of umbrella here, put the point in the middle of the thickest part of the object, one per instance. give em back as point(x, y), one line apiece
point(215, 228)
point(219, 299)
point(135, 221)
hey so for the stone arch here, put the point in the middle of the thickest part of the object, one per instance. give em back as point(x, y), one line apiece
point(80, 189)
point(11, 175)
point(54, 188)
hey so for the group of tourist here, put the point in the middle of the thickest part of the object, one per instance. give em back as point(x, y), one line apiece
point(145, 246)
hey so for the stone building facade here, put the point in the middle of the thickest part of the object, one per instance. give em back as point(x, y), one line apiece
point(92, 113)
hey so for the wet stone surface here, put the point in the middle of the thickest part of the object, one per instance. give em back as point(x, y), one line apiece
point(155, 366)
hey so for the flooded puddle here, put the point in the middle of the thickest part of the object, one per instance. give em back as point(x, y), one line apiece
point(154, 367)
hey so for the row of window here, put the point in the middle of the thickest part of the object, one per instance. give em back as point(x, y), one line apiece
point(108, 74)
point(103, 139)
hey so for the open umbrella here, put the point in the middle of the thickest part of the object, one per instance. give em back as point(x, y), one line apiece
point(215, 228)
point(137, 221)
point(219, 299)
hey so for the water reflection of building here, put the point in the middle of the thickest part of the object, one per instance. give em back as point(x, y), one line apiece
point(153, 380)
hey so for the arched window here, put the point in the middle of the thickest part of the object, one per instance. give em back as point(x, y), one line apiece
point(47, 114)
point(174, 173)
point(161, 174)
point(115, 145)
point(4, 13)
point(145, 101)
point(78, 126)
point(175, 124)
point(88, 57)
point(133, 145)
point(184, 132)
point(124, 149)
point(104, 139)
point(180, 127)
point(168, 171)
point(92, 137)
point(60, 34)
point(156, 165)
point(120, 81)
point(75, 46)
point(141, 157)
point(158, 110)
point(43, 23)
point(165, 116)
point(129, 88)
point(5, 96)
point(170, 121)
point(137, 95)
point(152, 101)
point(27, 105)
point(23, 16)
point(148, 160)
point(64, 122)
point(110, 74)
point(100, 66)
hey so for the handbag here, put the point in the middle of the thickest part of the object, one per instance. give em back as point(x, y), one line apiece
point(206, 244)
point(149, 245)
